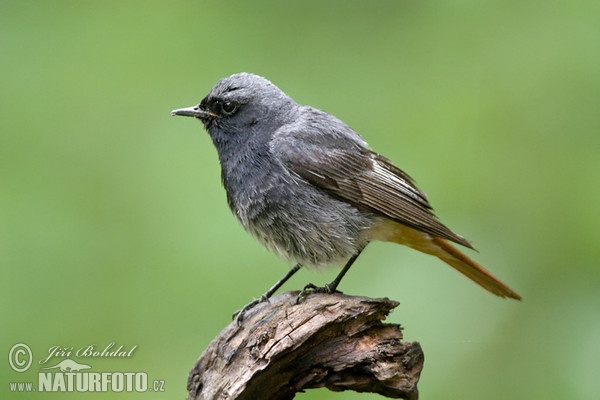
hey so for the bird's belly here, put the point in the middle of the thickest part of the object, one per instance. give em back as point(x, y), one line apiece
point(314, 230)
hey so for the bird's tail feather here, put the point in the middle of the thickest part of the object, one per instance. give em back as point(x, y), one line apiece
point(463, 264)
point(391, 231)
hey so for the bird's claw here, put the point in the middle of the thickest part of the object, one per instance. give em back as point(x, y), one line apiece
point(310, 288)
point(239, 314)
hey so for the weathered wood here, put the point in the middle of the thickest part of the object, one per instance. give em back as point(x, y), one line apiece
point(325, 340)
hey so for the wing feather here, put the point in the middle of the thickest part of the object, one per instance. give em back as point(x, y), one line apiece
point(368, 181)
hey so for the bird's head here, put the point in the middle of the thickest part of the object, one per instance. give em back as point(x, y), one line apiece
point(241, 104)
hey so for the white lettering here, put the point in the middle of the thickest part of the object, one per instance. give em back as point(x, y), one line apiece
point(91, 382)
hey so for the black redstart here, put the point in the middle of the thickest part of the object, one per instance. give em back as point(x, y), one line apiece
point(308, 187)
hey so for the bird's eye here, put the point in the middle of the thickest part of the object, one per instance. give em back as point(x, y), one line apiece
point(228, 107)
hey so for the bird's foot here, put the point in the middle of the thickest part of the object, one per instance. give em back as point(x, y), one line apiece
point(311, 288)
point(239, 314)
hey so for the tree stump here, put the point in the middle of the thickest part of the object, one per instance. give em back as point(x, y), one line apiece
point(325, 340)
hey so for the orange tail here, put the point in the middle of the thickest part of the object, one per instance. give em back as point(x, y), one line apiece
point(391, 231)
point(472, 270)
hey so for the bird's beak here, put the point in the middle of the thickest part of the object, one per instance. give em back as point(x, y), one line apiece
point(194, 111)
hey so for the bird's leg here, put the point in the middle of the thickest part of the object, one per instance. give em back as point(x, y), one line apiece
point(239, 315)
point(330, 287)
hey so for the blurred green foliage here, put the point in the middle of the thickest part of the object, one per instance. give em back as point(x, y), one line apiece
point(114, 227)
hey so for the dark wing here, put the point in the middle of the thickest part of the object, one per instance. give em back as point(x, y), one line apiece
point(370, 181)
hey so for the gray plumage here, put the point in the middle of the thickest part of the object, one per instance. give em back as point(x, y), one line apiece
point(308, 187)
point(299, 179)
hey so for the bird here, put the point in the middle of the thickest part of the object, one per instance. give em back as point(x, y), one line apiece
point(310, 189)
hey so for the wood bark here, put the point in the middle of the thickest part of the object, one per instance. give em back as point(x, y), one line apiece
point(284, 346)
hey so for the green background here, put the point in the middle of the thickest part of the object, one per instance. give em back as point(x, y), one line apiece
point(114, 225)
